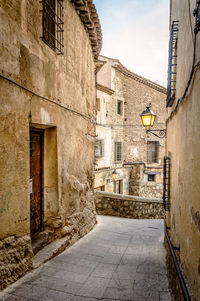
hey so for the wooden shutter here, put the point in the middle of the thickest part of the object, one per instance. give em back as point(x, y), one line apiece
point(118, 151)
point(152, 152)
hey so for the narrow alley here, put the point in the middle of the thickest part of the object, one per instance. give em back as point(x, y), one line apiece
point(120, 259)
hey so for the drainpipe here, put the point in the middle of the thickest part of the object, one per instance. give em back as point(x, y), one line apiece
point(182, 283)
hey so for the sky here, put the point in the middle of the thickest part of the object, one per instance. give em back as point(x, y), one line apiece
point(136, 32)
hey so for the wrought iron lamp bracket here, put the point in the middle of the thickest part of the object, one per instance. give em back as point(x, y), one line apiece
point(159, 134)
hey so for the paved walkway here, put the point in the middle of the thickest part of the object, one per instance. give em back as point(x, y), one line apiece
point(121, 259)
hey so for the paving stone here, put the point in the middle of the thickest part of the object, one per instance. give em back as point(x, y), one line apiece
point(94, 287)
point(13, 298)
point(52, 295)
point(112, 258)
point(104, 270)
point(165, 296)
point(121, 259)
point(70, 276)
point(79, 298)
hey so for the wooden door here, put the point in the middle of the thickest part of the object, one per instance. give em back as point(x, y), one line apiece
point(36, 187)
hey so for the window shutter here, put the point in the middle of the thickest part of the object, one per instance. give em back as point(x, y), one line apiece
point(99, 148)
point(152, 152)
point(118, 151)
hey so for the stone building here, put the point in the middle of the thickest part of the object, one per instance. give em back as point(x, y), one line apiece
point(182, 191)
point(122, 143)
point(47, 126)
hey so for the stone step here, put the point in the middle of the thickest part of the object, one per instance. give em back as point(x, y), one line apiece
point(50, 251)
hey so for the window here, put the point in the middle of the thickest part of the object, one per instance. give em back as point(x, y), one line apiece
point(98, 104)
point(118, 186)
point(172, 64)
point(151, 178)
point(152, 152)
point(52, 21)
point(99, 148)
point(118, 151)
point(120, 107)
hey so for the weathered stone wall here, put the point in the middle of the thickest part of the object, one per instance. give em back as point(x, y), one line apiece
point(183, 147)
point(56, 94)
point(128, 206)
point(135, 93)
point(15, 258)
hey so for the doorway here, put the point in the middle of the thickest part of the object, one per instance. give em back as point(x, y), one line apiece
point(118, 186)
point(36, 181)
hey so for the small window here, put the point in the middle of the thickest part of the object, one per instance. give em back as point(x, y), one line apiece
point(52, 22)
point(151, 178)
point(120, 107)
point(152, 152)
point(118, 151)
point(98, 104)
point(99, 148)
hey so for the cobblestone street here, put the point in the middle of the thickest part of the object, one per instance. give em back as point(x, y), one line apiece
point(121, 259)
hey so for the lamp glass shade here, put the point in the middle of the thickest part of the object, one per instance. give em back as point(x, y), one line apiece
point(147, 117)
point(148, 120)
point(114, 175)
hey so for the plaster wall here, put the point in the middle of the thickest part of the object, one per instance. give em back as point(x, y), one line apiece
point(183, 148)
point(54, 93)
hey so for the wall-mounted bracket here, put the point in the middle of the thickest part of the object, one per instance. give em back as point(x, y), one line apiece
point(161, 133)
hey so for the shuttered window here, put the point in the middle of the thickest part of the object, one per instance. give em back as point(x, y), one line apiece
point(99, 148)
point(152, 152)
point(118, 151)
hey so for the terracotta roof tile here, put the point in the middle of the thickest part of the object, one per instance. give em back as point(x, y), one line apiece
point(89, 17)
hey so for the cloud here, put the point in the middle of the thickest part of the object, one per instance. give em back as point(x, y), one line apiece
point(136, 33)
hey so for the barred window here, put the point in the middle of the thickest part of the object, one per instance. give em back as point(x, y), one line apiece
point(52, 24)
point(172, 64)
point(152, 152)
point(118, 151)
point(99, 148)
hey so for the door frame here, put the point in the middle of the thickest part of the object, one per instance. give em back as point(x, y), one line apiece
point(41, 132)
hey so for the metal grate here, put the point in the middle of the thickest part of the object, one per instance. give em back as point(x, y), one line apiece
point(166, 182)
point(172, 64)
point(118, 151)
point(52, 23)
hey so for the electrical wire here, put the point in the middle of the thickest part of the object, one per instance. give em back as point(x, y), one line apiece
point(49, 100)
point(190, 19)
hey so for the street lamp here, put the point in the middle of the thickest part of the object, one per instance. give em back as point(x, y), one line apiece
point(148, 118)
point(114, 175)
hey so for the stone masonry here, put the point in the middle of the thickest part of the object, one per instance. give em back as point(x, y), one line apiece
point(47, 108)
point(128, 206)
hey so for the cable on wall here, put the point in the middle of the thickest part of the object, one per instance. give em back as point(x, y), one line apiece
point(49, 100)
